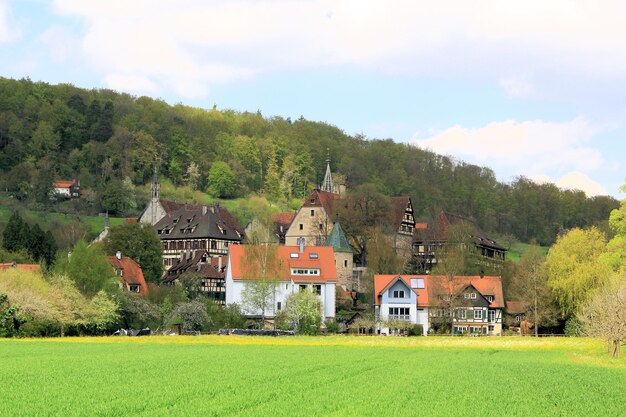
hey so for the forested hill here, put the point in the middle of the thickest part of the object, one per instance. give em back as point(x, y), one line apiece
point(109, 141)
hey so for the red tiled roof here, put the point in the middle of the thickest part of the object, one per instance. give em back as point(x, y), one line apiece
point(435, 285)
point(131, 272)
point(63, 184)
point(284, 218)
point(421, 225)
point(23, 267)
point(325, 262)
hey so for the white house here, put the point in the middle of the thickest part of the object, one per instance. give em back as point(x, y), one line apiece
point(400, 297)
point(291, 268)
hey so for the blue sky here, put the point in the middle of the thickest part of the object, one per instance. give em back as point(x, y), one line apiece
point(530, 88)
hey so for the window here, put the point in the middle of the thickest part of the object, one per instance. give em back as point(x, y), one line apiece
point(133, 288)
point(313, 255)
point(398, 294)
point(303, 271)
point(301, 226)
point(278, 306)
point(302, 287)
point(213, 244)
point(321, 226)
point(478, 314)
point(399, 313)
point(293, 255)
point(345, 263)
point(317, 289)
point(489, 298)
point(417, 283)
point(473, 296)
point(461, 313)
point(491, 328)
point(286, 286)
point(492, 316)
point(312, 212)
point(460, 329)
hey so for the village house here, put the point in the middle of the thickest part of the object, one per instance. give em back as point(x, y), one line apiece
point(184, 227)
point(21, 267)
point(473, 305)
point(429, 240)
point(292, 269)
point(130, 273)
point(67, 189)
point(210, 270)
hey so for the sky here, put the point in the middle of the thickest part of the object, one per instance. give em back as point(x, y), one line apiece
point(533, 88)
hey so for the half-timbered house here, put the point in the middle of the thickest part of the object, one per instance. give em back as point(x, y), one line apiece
point(209, 270)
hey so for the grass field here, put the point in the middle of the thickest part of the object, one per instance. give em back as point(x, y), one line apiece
point(518, 249)
point(338, 376)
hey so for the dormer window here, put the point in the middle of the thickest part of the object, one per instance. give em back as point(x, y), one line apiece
point(313, 255)
point(293, 255)
point(489, 298)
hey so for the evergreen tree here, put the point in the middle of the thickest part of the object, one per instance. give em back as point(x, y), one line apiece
point(15, 235)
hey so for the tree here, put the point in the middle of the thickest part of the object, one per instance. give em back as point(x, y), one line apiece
point(304, 311)
point(575, 268)
point(222, 181)
point(136, 312)
point(458, 255)
point(530, 285)
point(89, 268)
point(261, 268)
point(192, 316)
point(225, 317)
point(141, 243)
point(72, 308)
point(103, 312)
point(604, 315)
point(16, 233)
point(9, 317)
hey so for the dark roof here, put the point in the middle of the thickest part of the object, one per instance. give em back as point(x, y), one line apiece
point(321, 198)
point(170, 206)
point(399, 205)
point(439, 231)
point(337, 239)
point(199, 222)
point(198, 262)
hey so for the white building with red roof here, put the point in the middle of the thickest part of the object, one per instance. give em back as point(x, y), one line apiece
point(288, 268)
point(471, 304)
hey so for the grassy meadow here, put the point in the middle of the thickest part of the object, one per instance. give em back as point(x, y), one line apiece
point(306, 376)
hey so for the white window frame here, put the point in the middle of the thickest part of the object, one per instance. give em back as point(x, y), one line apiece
point(478, 314)
point(491, 316)
point(462, 314)
point(396, 294)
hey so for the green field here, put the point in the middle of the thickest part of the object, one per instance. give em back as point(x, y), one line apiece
point(517, 251)
point(340, 376)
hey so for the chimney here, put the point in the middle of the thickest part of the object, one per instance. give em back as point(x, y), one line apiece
point(301, 244)
point(118, 255)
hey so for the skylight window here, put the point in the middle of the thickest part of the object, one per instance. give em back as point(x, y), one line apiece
point(294, 255)
point(313, 255)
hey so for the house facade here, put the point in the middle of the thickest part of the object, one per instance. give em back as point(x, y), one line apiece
point(211, 270)
point(290, 269)
point(67, 189)
point(130, 274)
point(471, 305)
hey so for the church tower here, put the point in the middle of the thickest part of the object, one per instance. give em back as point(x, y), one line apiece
point(155, 197)
point(328, 185)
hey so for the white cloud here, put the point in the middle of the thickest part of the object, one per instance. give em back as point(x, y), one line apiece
point(8, 30)
point(167, 41)
point(528, 148)
point(574, 181)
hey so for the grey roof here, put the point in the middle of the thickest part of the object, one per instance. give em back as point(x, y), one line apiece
point(199, 222)
point(337, 239)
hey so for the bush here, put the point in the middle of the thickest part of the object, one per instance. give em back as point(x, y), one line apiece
point(573, 327)
point(416, 330)
point(332, 326)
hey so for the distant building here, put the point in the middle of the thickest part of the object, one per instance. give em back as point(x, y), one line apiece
point(130, 273)
point(295, 268)
point(21, 267)
point(343, 257)
point(210, 270)
point(67, 189)
point(429, 240)
point(473, 304)
point(185, 227)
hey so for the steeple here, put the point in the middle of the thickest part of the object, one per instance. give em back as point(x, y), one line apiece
point(328, 185)
point(155, 196)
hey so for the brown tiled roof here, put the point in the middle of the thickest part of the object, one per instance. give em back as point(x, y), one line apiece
point(198, 222)
point(193, 262)
point(131, 272)
point(322, 198)
point(516, 307)
point(283, 218)
point(63, 184)
point(325, 262)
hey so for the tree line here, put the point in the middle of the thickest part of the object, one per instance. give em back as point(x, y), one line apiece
point(111, 142)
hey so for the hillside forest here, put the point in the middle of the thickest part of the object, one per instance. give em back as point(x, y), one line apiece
point(112, 141)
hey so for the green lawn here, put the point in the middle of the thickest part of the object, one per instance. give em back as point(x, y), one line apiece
point(339, 376)
point(518, 249)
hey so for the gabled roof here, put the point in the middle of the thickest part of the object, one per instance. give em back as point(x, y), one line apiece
point(288, 258)
point(382, 282)
point(439, 231)
point(337, 239)
point(399, 205)
point(283, 218)
point(321, 199)
point(131, 272)
point(63, 184)
point(436, 285)
point(200, 263)
point(196, 222)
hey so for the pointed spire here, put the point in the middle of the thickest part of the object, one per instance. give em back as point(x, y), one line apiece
point(337, 239)
point(328, 185)
point(155, 184)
